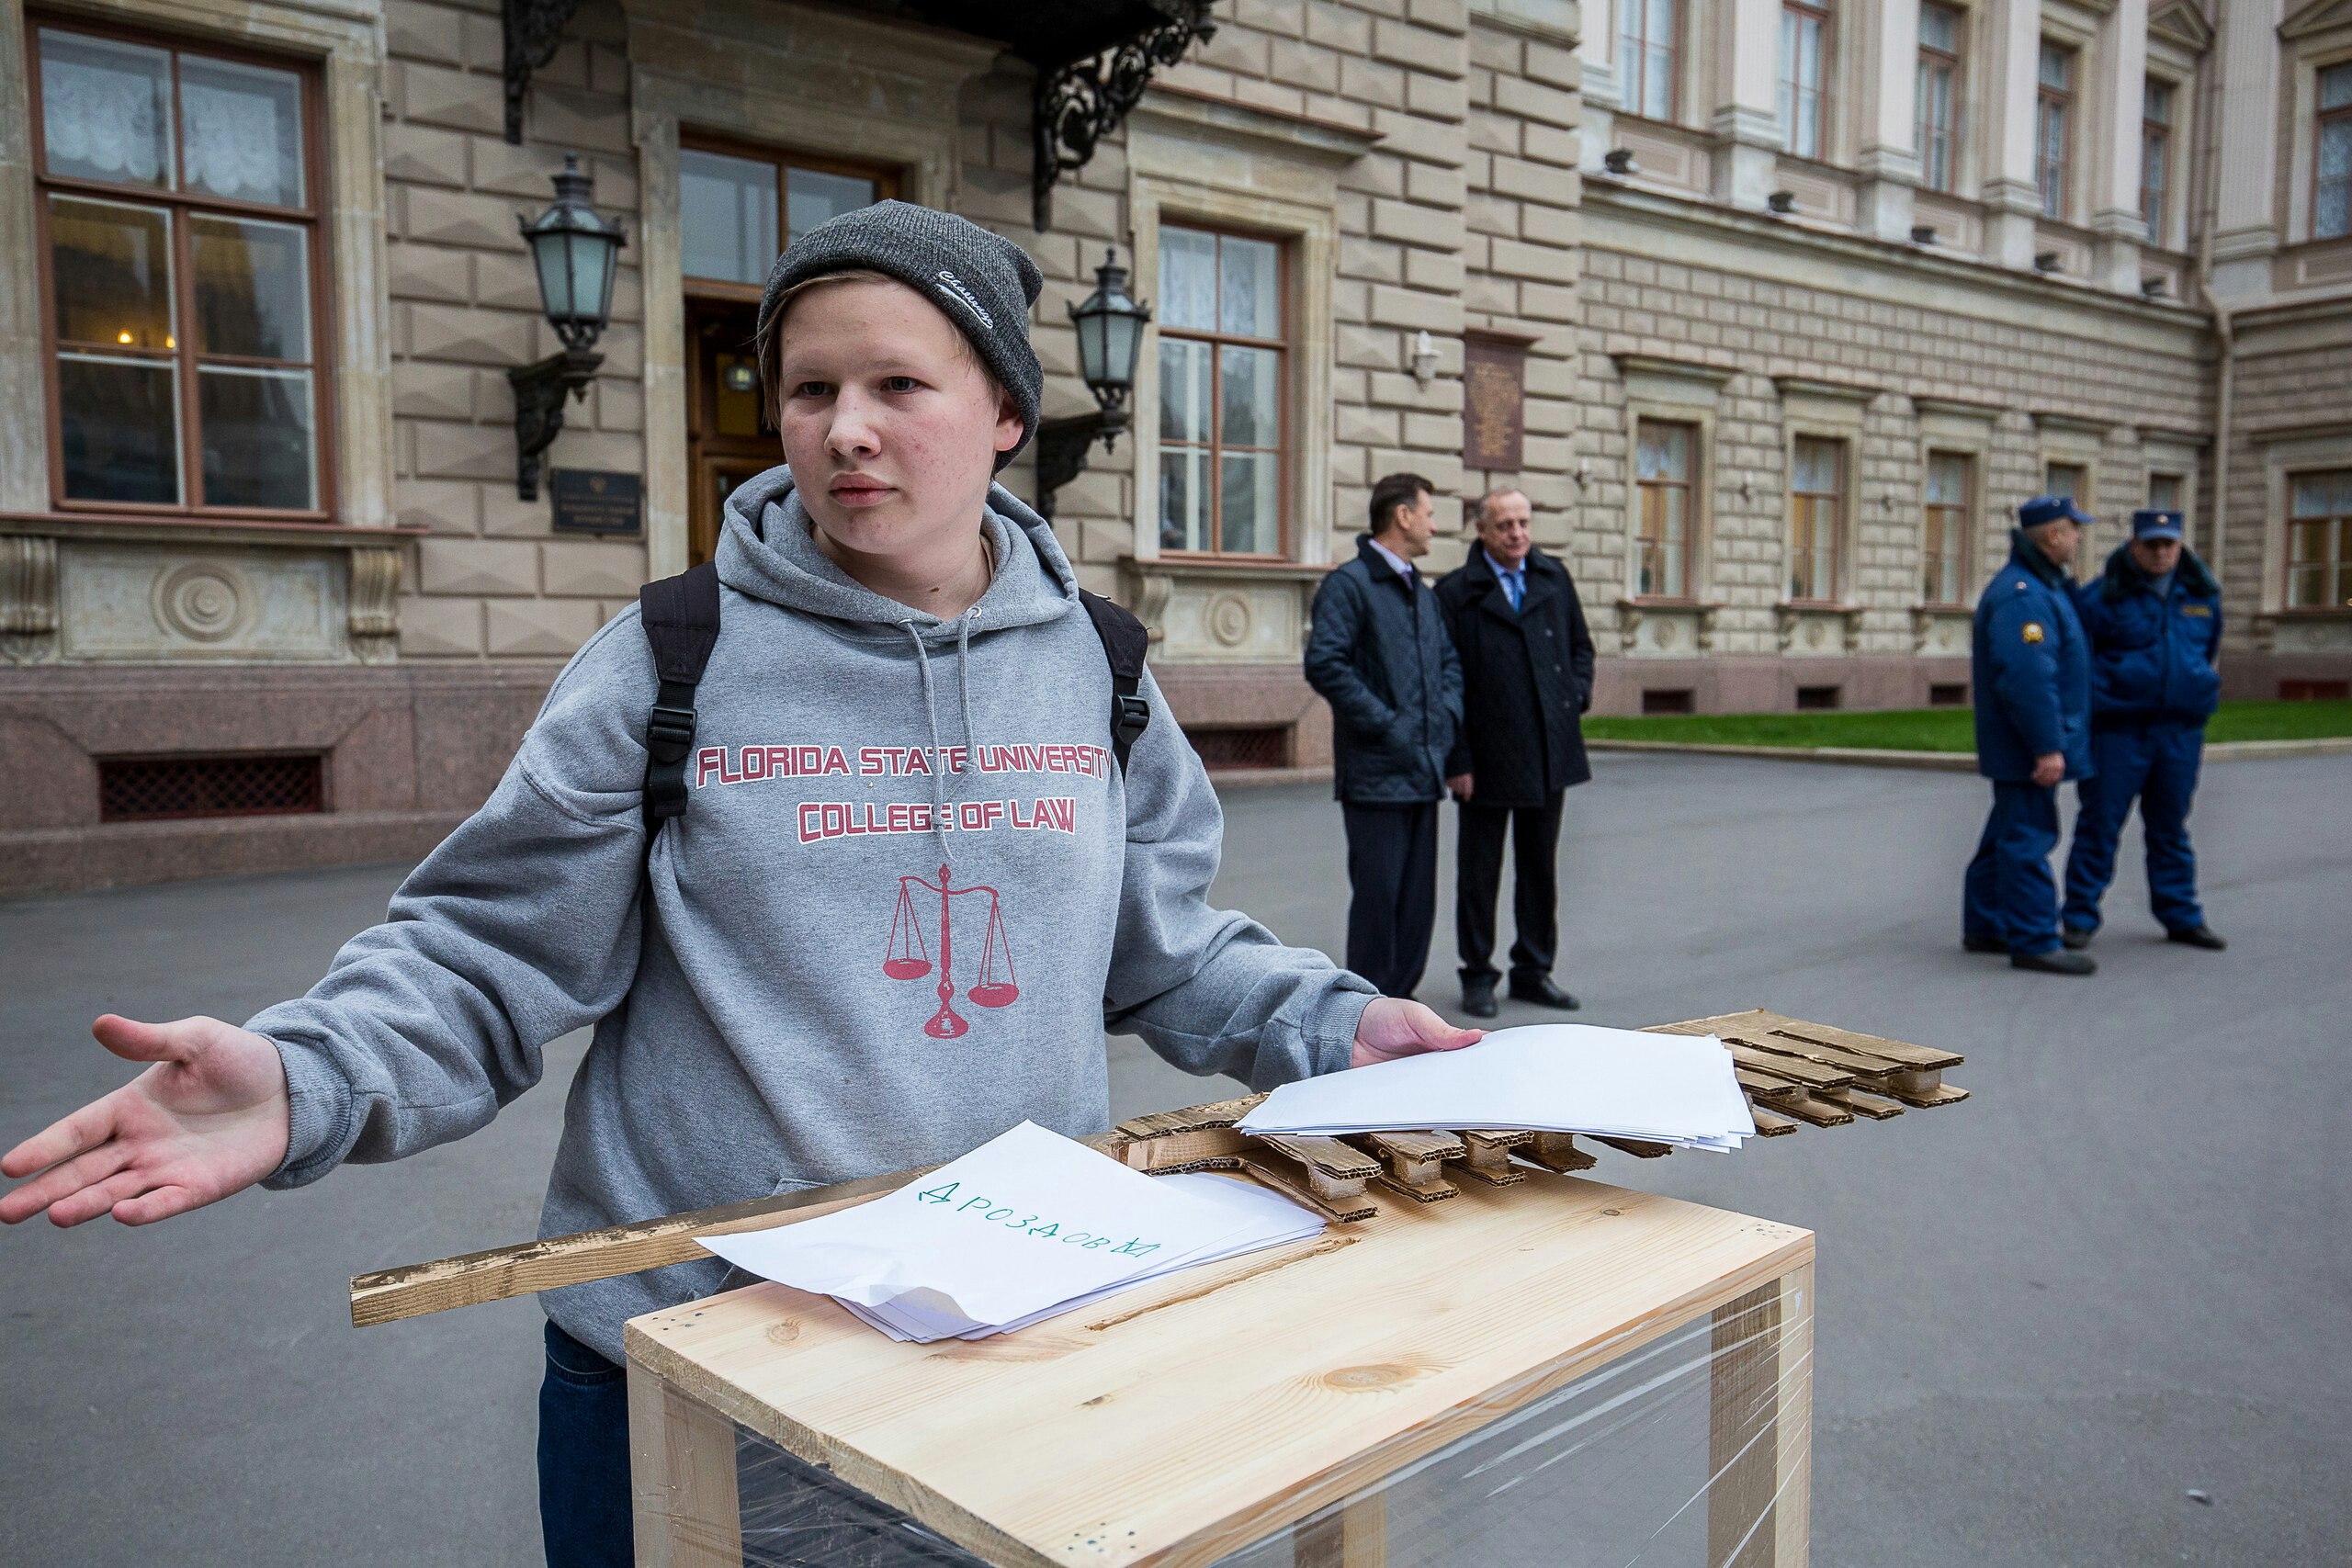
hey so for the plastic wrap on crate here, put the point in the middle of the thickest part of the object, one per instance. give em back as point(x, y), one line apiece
point(1678, 1451)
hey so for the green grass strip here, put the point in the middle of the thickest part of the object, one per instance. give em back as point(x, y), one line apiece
point(1937, 729)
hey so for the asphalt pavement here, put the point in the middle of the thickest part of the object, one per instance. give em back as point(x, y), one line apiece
point(2094, 1315)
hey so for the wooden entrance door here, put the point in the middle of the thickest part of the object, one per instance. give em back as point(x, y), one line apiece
point(729, 438)
point(738, 205)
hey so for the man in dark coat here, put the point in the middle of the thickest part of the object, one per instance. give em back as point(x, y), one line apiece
point(2154, 619)
point(1526, 657)
point(2030, 666)
point(1378, 653)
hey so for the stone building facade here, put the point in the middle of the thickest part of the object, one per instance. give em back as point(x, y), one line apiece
point(1490, 241)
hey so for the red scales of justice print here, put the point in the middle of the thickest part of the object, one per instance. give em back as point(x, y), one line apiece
point(907, 958)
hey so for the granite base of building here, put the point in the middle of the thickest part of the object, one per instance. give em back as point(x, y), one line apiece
point(122, 774)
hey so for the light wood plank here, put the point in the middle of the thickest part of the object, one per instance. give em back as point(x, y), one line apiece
point(681, 1479)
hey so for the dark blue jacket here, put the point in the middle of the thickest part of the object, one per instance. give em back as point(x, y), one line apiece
point(2150, 659)
point(1379, 653)
point(2031, 670)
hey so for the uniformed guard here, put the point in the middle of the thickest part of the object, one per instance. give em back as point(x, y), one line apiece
point(2030, 668)
point(2155, 622)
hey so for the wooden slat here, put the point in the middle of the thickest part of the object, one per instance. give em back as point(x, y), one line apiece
point(1332, 1157)
point(1759, 1019)
point(1417, 1145)
point(1862, 1104)
point(1430, 1190)
point(1289, 1181)
point(1640, 1148)
point(1558, 1152)
point(1820, 1112)
point(1758, 1087)
point(1796, 1069)
point(1870, 1069)
point(1927, 1099)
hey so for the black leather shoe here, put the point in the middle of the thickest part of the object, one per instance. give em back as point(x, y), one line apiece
point(2057, 960)
point(2205, 937)
point(1983, 945)
point(2077, 939)
point(1544, 993)
point(1479, 997)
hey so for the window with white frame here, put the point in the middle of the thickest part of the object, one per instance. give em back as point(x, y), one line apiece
point(2319, 540)
point(1816, 516)
point(2156, 154)
point(1938, 97)
point(1804, 66)
point(2053, 127)
point(2332, 160)
point(1647, 57)
point(179, 217)
point(1944, 548)
point(1223, 407)
point(1665, 452)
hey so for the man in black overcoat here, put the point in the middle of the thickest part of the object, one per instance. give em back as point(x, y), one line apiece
point(1526, 657)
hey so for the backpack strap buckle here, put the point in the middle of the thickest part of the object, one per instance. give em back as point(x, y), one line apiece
point(1130, 717)
point(669, 732)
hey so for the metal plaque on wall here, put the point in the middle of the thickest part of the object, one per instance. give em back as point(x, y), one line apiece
point(1494, 400)
point(596, 500)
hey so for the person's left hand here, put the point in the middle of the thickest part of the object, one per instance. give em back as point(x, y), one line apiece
point(1399, 1026)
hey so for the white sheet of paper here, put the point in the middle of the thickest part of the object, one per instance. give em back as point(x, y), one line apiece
point(1565, 1077)
point(1273, 1219)
point(1026, 1221)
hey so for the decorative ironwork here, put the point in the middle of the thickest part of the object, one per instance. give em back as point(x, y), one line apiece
point(1080, 103)
point(1061, 449)
point(534, 29)
point(539, 392)
point(157, 789)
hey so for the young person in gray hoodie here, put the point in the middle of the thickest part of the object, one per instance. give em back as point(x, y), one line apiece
point(904, 719)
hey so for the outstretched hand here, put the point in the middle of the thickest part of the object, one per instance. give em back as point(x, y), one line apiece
point(1399, 1026)
point(210, 1117)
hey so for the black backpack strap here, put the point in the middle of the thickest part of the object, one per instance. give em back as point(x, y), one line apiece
point(681, 616)
point(1124, 641)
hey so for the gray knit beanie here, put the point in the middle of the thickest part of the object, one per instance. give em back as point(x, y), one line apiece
point(982, 281)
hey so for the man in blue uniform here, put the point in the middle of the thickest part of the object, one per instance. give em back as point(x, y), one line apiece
point(2030, 668)
point(2155, 622)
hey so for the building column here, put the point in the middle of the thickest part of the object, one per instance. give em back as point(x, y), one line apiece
point(1746, 116)
point(1887, 117)
point(2244, 237)
point(2121, 71)
point(2013, 51)
point(1597, 63)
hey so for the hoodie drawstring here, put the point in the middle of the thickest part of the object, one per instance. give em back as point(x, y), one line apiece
point(938, 757)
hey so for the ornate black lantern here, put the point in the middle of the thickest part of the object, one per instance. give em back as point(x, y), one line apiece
point(1110, 325)
point(575, 251)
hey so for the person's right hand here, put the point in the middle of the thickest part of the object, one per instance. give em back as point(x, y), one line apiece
point(1461, 785)
point(208, 1119)
point(2047, 769)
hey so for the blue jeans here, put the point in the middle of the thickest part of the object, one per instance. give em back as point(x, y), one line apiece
point(794, 1514)
point(583, 1458)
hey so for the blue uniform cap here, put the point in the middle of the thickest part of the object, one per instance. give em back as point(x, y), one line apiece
point(2153, 523)
point(2044, 509)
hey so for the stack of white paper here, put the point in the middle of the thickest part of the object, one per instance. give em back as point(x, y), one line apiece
point(1028, 1224)
point(1555, 1078)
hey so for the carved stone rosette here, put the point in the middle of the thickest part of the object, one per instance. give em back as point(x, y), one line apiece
point(28, 598)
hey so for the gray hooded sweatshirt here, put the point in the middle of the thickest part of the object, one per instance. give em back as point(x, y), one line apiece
point(778, 1000)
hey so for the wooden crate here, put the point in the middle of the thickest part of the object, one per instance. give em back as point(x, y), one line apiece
point(1267, 1404)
